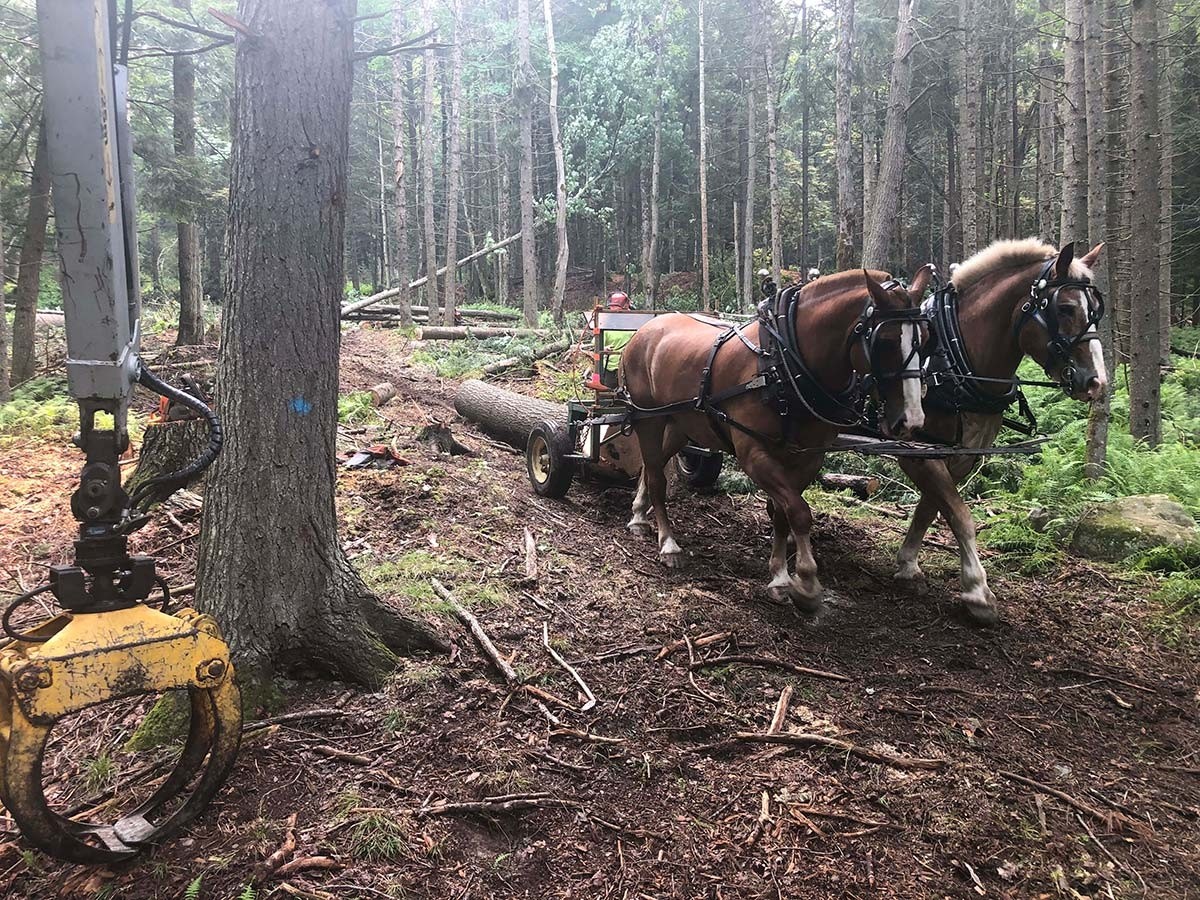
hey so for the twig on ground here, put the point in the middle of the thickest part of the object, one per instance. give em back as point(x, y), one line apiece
point(820, 740)
point(301, 716)
point(307, 862)
point(281, 855)
point(765, 662)
point(1116, 862)
point(760, 824)
point(496, 805)
point(1113, 821)
point(823, 813)
point(781, 710)
point(531, 557)
point(676, 646)
point(711, 698)
point(334, 753)
point(554, 654)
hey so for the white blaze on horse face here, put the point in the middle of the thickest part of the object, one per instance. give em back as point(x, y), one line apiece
point(914, 412)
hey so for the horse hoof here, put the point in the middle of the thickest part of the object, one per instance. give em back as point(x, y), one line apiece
point(981, 612)
point(913, 584)
point(672, 560)
point(806, 604)
point(778, 593)
point(640, 529)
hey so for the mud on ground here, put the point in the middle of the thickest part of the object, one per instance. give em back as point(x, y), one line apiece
point(649, 794)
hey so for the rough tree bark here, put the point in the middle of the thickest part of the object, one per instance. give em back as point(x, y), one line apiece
point(560, 176)
point(1097, 196)
point(774, 198)
point(183, 111)
point(650, 263)
point(751, 159)
point(429, 65)
point(1166, 180)
point(1145, 208)
point(705, 294)
point(878, 239)
point(1047, 144)
point(847, 198)
point(805, 132)
point(454, 174)
point(271, 569)
point(403, 255)
point(29, 278)
point(968, 126)
point(524, 99)
point(5, 391)
point(1074, 119)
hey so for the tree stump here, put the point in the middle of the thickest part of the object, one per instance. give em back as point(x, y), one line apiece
point(167, 447)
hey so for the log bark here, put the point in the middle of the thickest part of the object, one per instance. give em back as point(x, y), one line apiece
point(382, 393)
point(462, 332)
point(863, 486)
point(422, 313)
point(167, 447)
point(1074, 118)
point(502, 365)
point(29, 278)
point(505, 415)
point(271, 568)
point(968, 125)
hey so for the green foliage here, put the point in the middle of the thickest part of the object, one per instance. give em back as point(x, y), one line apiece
point(39, 408)
point(356, 408)
point(466, 358)
point(248, 893)
point(192, 891)
point(99, 773)
point(409, 576)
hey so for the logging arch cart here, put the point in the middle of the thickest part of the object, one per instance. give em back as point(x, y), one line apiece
point(596, 437)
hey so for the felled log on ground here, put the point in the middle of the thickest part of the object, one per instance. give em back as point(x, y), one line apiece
point(167, 447)
point(505, 415)
point(382, 393)
point(461, 332)
point(500, 365)
point(863, 486)
point(422, 312)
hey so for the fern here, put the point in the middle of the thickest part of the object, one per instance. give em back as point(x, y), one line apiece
point(192, 892)
point(247, 893)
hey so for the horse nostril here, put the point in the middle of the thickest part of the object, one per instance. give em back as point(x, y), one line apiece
point(1095, 387)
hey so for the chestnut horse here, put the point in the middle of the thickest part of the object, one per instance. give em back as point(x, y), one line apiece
point(667, 361)
point(1014, 298)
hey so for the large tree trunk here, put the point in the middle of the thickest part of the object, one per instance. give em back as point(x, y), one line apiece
point(773, 166)
point(650, 263)
point(1166, 179)
point(1145, 209)
point(5, 391)
point(968, 125)
point(705, 294)
point(505, 415)
point(524, 98)
point(1074, 118)
point(1116, 88)
point(1097, 196)
point(454, 175)
point(878, 249)
point(271, 569)
point(751, 159)
point(183, 108)
point(805, 156)
point(847, 198)
point(403, 257)
point(427, 182)
point(29, 278)
point(1047, 152)
point(560, 175)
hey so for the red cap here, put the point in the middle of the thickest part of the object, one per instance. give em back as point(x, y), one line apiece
point(618, 300)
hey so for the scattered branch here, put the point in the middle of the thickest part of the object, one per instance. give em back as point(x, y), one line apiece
point(554, 655)
point(1114, 821)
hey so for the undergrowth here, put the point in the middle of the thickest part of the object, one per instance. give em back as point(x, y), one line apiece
point(409, 574)
point(40, 407)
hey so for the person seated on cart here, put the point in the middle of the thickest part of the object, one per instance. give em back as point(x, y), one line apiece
point(614, 343)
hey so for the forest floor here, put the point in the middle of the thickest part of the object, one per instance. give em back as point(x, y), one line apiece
point(650, 794)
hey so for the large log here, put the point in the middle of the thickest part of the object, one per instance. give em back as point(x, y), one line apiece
point(505, 415)
point(462, 332)
point(863, 486)
point(500, 365)
point(422, 312)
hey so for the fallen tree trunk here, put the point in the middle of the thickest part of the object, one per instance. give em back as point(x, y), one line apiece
point(505, 415)
point(421, 313)
point(462, 332)
point(509, 362)
point(395, 292)
point(863, 486)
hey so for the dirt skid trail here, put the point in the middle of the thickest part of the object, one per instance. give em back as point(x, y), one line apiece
point(1053, 755)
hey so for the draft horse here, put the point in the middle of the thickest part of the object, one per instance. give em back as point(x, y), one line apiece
point(1012, 299)
point(774, 393)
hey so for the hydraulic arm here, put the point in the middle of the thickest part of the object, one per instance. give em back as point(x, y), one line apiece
point(107, 643)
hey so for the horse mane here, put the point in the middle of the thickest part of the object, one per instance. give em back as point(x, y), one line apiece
point(1009, 254)
point(829, 285)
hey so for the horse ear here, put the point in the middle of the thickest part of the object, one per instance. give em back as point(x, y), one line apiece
point(1065, 257)
point(1089, 259)
point(878, 294)
point(920, 283)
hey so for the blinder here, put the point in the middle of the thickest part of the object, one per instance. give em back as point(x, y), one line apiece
point(1043, 295)
point(867, 331)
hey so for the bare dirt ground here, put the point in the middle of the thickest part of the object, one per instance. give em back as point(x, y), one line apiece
point(649, 794)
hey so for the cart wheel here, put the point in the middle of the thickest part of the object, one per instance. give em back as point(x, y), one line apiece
point(698, 470)
point(550, 471)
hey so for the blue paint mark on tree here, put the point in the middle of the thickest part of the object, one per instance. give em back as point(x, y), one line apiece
point(300, 406)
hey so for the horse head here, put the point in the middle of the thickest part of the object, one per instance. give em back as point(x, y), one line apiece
point(1057, 324)
point(893, 331)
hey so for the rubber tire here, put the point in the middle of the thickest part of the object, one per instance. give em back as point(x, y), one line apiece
point(698, 470)
point(550, 475)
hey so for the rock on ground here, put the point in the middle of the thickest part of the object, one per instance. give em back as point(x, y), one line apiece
point(1120, 528)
